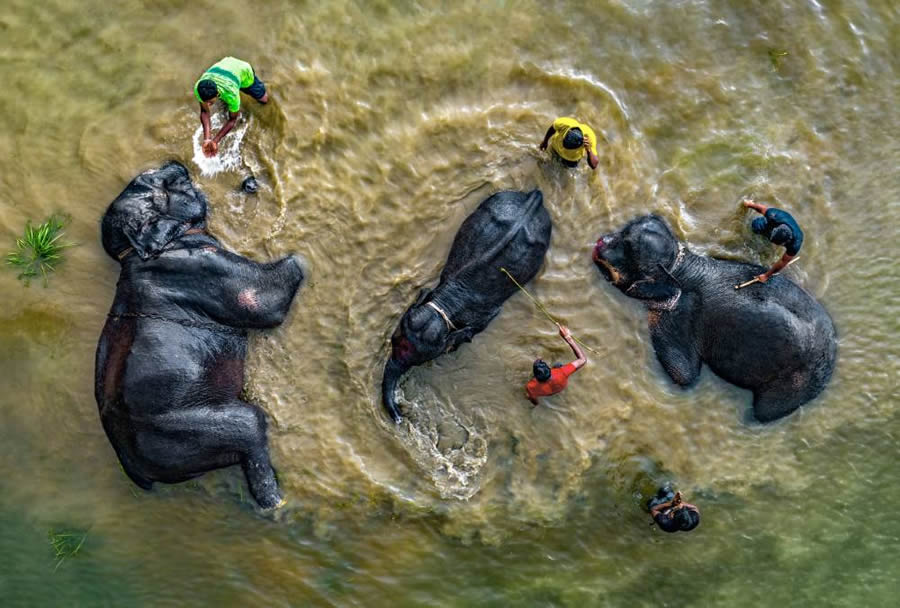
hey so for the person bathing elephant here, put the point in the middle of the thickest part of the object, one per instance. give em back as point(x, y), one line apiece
point(773, 339)
point(170, 361)
point(509, 230)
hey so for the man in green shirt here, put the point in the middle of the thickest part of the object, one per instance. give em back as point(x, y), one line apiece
point(226, 79)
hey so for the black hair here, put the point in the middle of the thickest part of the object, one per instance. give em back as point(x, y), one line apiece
point(781, 235)
point(687, 519)
point(250, 185)
point(541, 370)
point(574, 139)
point(206, 89)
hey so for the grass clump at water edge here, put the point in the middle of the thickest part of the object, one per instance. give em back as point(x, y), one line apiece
point(66, 543)
point(39, 251)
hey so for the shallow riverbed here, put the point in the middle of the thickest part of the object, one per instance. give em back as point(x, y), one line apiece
point(389, 123)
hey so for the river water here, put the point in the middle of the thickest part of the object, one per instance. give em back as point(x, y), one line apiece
point(389, 123)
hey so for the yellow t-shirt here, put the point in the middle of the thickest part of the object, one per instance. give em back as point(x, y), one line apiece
point(562, 126)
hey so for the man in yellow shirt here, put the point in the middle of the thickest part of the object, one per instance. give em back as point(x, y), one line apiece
point(570, 140)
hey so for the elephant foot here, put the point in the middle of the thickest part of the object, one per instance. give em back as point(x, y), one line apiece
point(269, 502)
point(776, 402)
point(262, 483)
point(276, 507)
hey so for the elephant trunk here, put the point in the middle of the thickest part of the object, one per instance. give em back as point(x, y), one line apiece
point(393, 370)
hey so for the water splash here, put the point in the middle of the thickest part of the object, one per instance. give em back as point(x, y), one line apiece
point(449, 448)
point(229, 156)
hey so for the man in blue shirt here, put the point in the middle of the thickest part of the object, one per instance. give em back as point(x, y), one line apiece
point(779, 227)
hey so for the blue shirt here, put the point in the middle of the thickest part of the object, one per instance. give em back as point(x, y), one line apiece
point(777, 217)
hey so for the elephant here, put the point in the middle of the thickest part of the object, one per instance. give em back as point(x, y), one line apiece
point(170, 360)
point(773, 339)
point(508, 229)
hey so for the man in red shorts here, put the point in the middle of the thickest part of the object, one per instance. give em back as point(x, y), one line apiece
point(548, 382)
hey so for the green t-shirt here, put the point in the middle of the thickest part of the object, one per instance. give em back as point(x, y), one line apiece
point(230, 75)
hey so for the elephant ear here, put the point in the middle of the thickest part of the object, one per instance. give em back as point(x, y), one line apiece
point(654, 248)
point(153, 235)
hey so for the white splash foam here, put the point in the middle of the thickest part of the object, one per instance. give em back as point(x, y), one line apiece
point(229, 155)
point(455, 472)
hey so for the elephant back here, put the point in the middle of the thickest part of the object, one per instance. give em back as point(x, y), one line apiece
point(780, 319)
point(509, 229)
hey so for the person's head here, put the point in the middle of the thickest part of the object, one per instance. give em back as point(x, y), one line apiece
point(759, 225)
point(207, 90)
point(687, 519)
point(781, 235)
point(541, 370)
point(574, 139)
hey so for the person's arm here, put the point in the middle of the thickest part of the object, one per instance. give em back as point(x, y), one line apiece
point(669, 504)
point(567, 336)
point(547, 137)
point(776, 267)
point(232, 120)
point(757, 206)
point(657, 509)
point(593, 161)
point(204, 120)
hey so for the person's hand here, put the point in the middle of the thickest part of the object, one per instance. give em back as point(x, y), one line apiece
point(762, 278)
point(587, 144)
point(564, 332)
point(748, 202)
point(210, 148)
point(543, 146)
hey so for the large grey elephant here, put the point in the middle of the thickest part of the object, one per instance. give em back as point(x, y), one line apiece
point(510, 230)
point(170, 362)
point(773, 338)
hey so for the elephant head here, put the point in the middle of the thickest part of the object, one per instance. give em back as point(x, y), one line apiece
point(157, 207)
point(640, 258)
point(421, 336)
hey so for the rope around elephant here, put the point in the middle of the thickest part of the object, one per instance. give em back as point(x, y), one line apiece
point(544, 310)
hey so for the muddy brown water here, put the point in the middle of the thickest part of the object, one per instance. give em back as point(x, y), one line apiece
point(390, 122)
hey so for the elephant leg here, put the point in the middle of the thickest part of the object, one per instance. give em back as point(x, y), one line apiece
point(775, 401)
point(674, 346)
point(191, 441)
point(459, 337)
point(139, 480)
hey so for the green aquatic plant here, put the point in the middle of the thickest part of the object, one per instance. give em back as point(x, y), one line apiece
point(66, 544)
point(39, 251)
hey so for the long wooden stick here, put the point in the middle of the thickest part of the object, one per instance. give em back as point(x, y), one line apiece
point(756, 279)
point(544, 310)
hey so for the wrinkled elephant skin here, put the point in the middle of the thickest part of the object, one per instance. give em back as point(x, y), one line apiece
point(509, 230)
point(772, 338)
point(170, 362)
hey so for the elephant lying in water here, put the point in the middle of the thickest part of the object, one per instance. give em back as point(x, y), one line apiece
point(773, 339)
point(508, 229)
point(170, 362)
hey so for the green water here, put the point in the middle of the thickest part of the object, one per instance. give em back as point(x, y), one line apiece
point(389, 123)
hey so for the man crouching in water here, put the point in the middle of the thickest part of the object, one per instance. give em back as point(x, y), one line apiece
point(672, 514)
point(548, 382)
